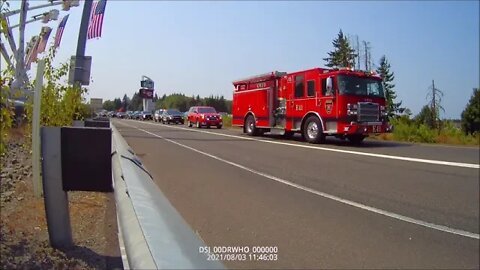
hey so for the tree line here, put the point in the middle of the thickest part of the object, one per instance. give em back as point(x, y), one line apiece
point(173, 101)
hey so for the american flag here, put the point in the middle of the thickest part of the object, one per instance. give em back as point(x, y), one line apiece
point(96, 19)
point(61, 27)
point(32, 52)
point(44, 35)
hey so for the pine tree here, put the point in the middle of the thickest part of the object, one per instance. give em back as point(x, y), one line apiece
point(342, 55)
point(471, 114)
point(125, 101)
point(393, 108)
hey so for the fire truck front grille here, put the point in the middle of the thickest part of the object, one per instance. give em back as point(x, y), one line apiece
point(368, 112)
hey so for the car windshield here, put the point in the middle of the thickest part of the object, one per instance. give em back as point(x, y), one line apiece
point(174, 112)
point(358, 86)
point(206, 110)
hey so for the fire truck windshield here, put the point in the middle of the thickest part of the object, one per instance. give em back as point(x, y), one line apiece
point(359, 86)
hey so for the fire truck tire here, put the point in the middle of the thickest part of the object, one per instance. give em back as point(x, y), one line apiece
point(250, 128)
point(356, 139)
point(312, 130)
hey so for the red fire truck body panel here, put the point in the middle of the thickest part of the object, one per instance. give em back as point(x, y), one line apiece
point(353, 105)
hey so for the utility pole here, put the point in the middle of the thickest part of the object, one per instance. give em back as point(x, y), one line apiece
point(365, 46)
point(358, 53)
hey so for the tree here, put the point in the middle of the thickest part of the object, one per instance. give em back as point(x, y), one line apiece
point(393, 108)
point(125, 101)
point(425, 116)
point(435, 98)
point(117, 103)
point(342, 55)
point(135, 103)
point(471, 113)
point(109, 105)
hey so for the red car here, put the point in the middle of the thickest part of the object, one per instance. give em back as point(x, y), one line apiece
point(204, 116)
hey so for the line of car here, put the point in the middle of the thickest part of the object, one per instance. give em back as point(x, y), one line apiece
point(199, 116)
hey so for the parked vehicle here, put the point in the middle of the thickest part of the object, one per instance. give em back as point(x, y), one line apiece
point(146, 116)
point(172, 116)
point(204, 116)
point(316, 103)
point(157, 115)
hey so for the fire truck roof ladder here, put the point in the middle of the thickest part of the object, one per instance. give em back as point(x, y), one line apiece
point(261, 77)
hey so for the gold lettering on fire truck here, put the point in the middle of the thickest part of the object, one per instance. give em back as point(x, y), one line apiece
point(261, 85)
point(328, 106)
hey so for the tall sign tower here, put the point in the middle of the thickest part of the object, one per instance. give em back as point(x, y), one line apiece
point(146, 93)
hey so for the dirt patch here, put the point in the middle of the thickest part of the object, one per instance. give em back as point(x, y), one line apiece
point(24, 241)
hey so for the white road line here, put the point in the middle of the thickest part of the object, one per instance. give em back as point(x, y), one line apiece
point(429, 161)
point(326, 195)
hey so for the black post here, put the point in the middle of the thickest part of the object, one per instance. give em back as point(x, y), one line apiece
point(80, 66)
point(82, 34)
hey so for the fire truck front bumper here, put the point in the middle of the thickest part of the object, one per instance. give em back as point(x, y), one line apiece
point(367, 128)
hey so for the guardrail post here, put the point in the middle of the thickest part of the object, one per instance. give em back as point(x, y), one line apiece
point(56, 199)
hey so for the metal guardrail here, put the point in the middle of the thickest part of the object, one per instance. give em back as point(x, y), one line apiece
point(153, 232)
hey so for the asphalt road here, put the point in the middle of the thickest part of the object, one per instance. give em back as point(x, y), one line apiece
point(379, 205)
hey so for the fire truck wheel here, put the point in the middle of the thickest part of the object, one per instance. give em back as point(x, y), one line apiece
point(356, 139)
point(313, 131)
point(250, 128)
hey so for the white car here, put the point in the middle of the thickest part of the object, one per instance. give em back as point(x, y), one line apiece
point(157, 116)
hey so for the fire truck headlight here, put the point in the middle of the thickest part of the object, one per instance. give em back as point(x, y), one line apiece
point(352, 106)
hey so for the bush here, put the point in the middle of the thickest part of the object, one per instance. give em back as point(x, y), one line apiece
point(413, 131)
point(227, 121)
point(6, 108)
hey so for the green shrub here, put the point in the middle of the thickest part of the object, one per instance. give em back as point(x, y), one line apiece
point(227, 120)
point(6, 109)
point(413, 131)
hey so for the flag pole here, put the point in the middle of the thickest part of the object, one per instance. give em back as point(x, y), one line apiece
point(78, 63)
point(82, 35)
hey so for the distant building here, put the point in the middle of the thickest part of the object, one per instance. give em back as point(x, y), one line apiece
point(96, 104)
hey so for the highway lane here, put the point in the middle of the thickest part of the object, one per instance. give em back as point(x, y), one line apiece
point(230, 206)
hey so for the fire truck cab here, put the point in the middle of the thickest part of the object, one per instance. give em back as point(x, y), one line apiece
point(316, 103)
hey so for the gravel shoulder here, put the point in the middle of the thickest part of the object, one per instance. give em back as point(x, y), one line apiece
point(24, 242)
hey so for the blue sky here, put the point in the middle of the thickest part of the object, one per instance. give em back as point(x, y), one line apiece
point(201, 47)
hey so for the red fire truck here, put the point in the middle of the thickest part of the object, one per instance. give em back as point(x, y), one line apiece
point(316, 103)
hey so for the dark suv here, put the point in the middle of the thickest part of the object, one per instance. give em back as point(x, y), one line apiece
point(172, 116)
point(204, 116)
